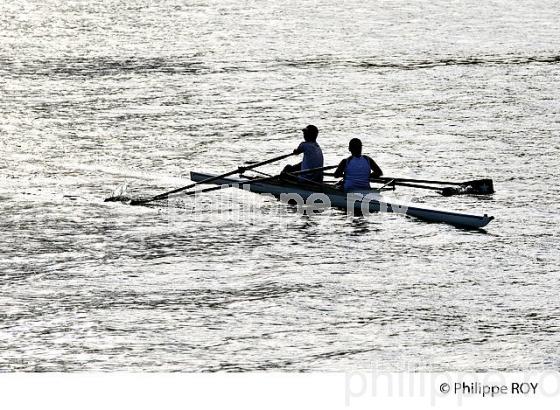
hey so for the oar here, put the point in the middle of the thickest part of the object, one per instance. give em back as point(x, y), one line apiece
point(481, 186)
point(447, 191)
point(295, 175)
point(476, 187)
point(480, 189)
point(307, 171)
point(239, 170)
point(224, 186)
point(251, 181)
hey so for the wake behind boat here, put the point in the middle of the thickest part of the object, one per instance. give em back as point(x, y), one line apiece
point(329, 195)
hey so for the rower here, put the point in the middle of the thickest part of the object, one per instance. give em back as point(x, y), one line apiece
point(357, 169)
point(312, 157)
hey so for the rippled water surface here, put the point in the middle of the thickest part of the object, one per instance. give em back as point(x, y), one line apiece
point(95, 94)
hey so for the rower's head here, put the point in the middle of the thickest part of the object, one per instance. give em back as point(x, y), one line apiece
point(355, 147)
point(310, 133)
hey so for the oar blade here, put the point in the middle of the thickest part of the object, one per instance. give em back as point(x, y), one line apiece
point(126, 200)
point(450, 191)
point(117, 198)
point(479, 187)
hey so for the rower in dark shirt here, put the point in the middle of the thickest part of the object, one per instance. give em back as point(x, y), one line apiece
point(357, 169)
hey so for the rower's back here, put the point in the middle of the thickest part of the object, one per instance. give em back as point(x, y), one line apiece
point(356, 173)
point(357, 169)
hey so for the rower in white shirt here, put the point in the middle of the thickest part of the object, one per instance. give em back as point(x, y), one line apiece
point(312, 157)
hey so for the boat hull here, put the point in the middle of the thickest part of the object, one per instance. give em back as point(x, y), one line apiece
point(363, 201)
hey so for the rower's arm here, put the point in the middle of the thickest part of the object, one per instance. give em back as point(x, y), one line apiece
point(375, 170)
point(339, 173)
point(299, 149)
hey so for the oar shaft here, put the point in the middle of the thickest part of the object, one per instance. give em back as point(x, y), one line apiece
point(310, 181)
point(223, 186)
point(253, 181)
point(475, 187)
point(306, 171)
point(408, 184)
point(427, 181)
point(214, 178)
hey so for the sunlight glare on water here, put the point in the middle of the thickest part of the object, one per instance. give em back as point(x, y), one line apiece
point(99, 94)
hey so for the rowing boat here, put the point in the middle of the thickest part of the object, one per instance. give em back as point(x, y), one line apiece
point(363, 201)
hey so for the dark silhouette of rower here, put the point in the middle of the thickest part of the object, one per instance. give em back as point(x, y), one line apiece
point(357, 169)
point(312, 158)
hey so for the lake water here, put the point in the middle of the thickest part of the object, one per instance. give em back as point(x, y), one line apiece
point(95, 94)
